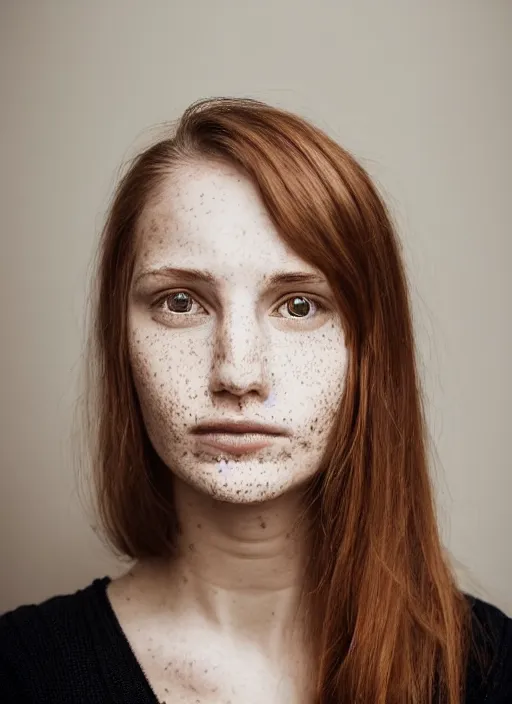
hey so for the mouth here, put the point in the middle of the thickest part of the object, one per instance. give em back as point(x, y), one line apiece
point(238, 437)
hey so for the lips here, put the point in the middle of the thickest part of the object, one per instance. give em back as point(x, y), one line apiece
point(239, 426)
point(237, 437)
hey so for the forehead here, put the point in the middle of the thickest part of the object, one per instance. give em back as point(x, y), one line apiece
point(211, 215)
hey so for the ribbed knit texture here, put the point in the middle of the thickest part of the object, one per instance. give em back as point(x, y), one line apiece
point(71, 649)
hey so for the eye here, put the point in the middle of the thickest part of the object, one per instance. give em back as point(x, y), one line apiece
point(299, 307)
point(178, 302)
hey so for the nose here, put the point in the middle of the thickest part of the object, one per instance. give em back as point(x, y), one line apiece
point(240, 364)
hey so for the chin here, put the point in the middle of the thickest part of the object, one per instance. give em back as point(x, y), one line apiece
point(249, 499)
point(233, 490)
point(239, 482)
point(234, 493)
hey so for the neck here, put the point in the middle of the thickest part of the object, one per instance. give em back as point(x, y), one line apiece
point(240, 566)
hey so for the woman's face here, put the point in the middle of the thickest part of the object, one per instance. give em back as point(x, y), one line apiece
point(227, 324)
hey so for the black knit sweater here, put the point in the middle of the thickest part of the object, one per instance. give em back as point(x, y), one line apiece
point(71, 649)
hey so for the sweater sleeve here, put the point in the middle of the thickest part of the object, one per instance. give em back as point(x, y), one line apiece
point(12, 690)
point(504, 668)
point(492, 630)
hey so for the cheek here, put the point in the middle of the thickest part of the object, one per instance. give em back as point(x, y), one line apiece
point(169, 380)
point(314, 380)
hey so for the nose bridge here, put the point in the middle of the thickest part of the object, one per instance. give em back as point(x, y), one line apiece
point(240, 357)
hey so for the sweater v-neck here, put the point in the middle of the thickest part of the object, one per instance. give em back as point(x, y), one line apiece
point(115, 639)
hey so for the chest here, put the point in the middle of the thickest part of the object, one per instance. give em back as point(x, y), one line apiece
point(193, 671)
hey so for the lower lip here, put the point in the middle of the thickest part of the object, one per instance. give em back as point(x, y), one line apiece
point(236, 443)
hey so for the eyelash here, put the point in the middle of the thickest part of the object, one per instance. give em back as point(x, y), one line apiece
point(158, 304)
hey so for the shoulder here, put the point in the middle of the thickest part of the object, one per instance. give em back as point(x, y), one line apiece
point(56, 618)
point(490, 664)
point(39, 641)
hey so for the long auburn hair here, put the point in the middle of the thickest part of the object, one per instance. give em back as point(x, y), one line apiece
point(388, 624)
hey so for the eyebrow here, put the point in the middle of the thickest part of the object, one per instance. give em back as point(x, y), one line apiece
point(198, 275)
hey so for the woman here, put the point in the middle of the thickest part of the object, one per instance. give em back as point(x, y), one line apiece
point(259, 447)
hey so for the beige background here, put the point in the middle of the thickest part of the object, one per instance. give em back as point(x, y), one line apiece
point(419, 91)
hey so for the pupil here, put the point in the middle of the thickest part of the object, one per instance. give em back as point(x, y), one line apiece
point(298, 306)
point(180, 302)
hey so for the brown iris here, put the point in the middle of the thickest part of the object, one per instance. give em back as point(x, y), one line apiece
point(298, 306)
point(181, 302)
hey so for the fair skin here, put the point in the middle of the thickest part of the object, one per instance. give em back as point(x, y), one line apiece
point(222, 622)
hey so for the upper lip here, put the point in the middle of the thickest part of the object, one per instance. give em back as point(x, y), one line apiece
point(239, 426)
